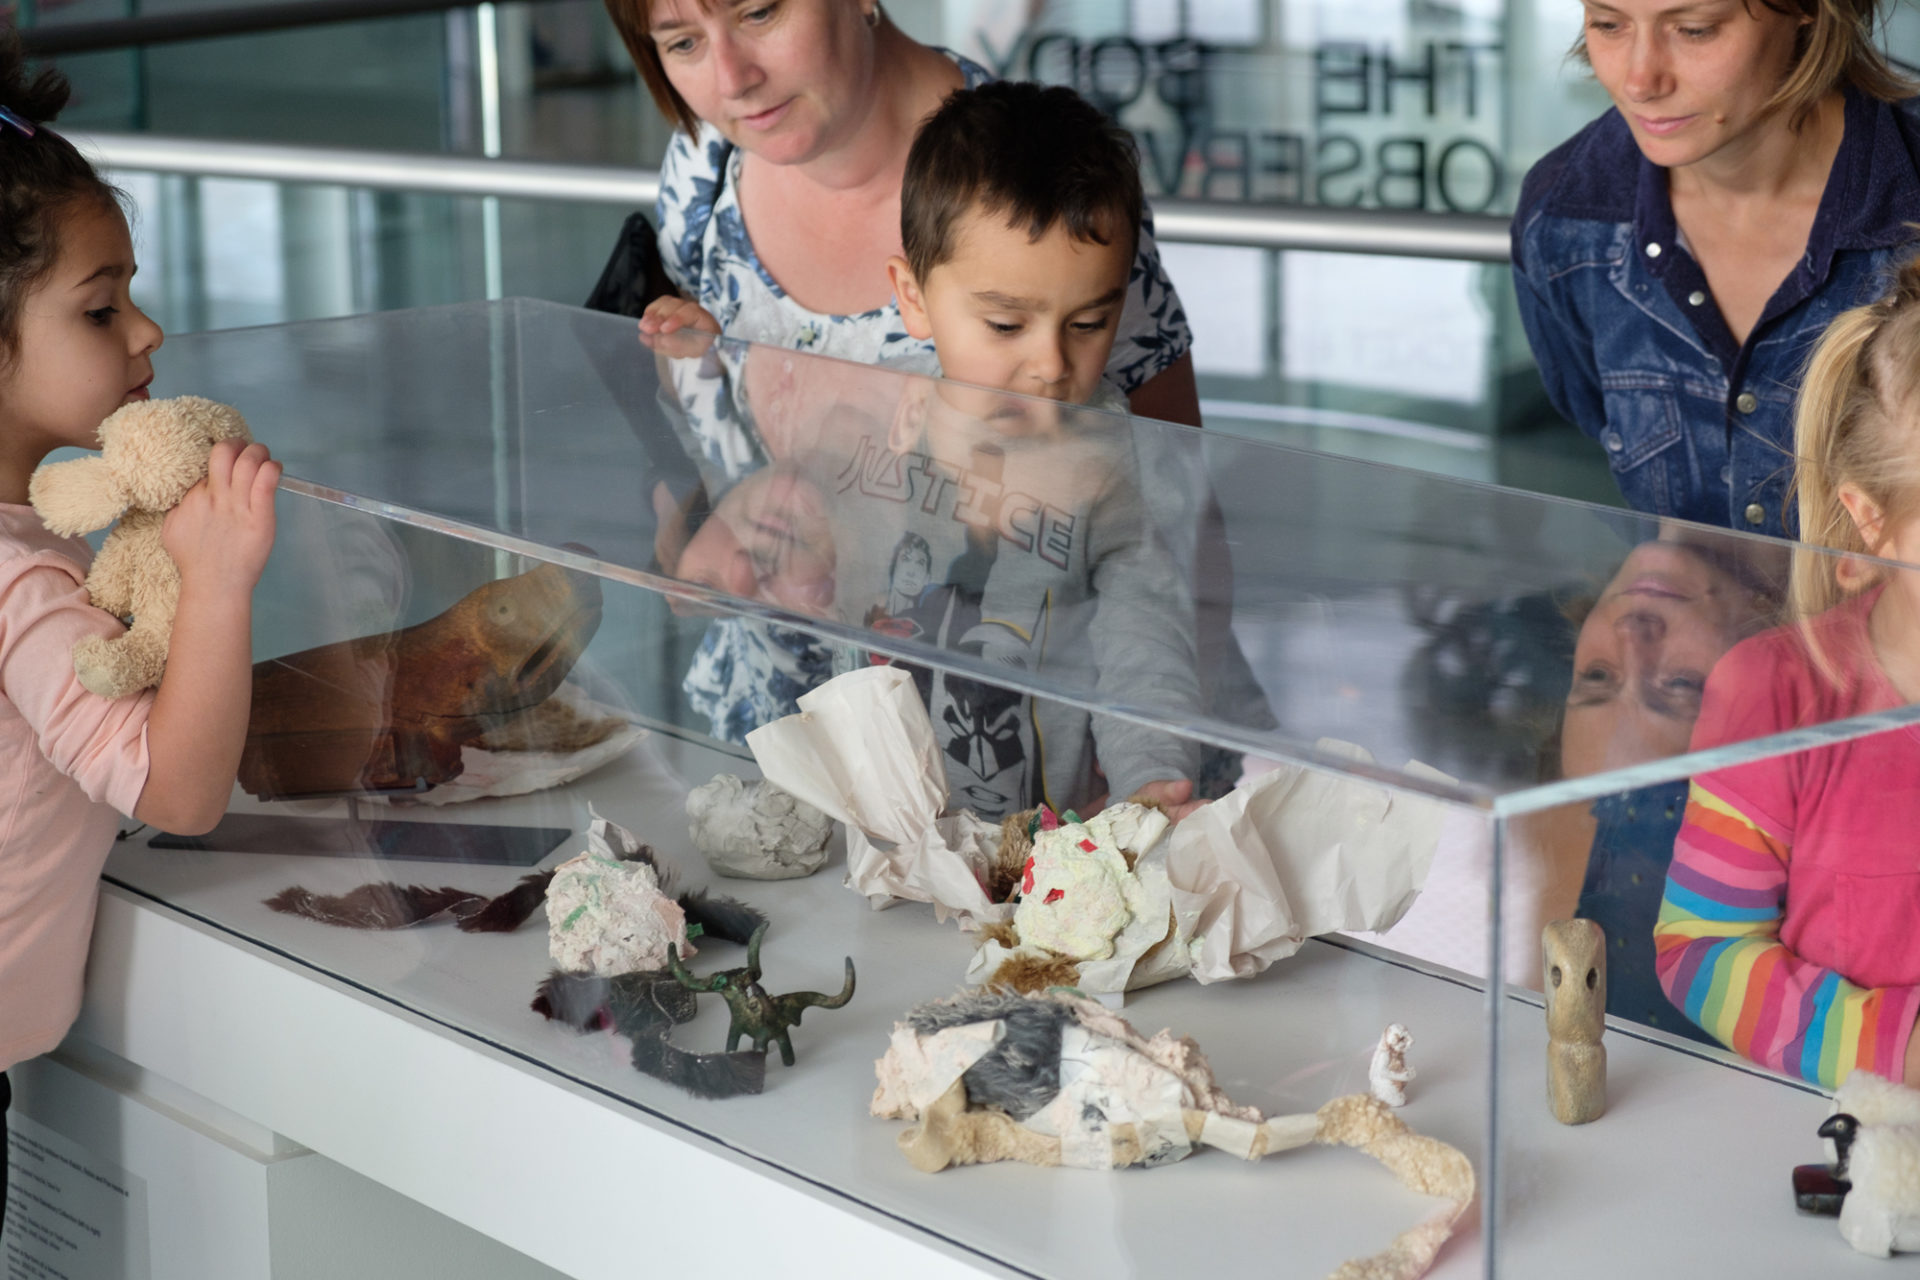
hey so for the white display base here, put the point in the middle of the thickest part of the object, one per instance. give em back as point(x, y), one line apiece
point(146, 1187)
point(412, 1058)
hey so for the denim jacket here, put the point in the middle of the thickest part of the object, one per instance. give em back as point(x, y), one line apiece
point(1634, 352)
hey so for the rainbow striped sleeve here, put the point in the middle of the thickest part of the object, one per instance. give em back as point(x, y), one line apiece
point(1719, 955)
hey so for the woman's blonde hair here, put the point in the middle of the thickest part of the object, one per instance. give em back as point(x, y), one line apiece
point(1857, 423)
point(1835, 47)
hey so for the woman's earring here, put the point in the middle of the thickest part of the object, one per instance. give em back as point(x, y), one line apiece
point(873, 14)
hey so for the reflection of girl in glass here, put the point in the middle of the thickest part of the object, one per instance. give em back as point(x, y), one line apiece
point(1788, 929)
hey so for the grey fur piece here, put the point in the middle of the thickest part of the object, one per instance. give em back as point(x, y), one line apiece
point(1022, 1073)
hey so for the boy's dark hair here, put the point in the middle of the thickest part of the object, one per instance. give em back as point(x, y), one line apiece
point(40, 177)
point(1041, 155)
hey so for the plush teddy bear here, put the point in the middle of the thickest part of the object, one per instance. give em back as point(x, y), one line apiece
point(151, 453)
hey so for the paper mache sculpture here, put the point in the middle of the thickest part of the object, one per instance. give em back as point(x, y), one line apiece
point(1872, 1179)
point(1061, 1080)
point(756, 831)
point(1240, 883)
point(1574, 960)
point(151, 453)
point(606, 911)
point(1093, 906)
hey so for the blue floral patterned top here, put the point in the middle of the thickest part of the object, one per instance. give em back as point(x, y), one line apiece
point(704, 244)
point(747, 672)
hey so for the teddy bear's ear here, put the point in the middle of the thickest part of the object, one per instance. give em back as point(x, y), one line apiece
point(76, 497)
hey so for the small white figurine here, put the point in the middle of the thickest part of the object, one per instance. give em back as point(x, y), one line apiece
point(1389, 1073)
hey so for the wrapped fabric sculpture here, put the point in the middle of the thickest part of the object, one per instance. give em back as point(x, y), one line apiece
point(1060, 1080)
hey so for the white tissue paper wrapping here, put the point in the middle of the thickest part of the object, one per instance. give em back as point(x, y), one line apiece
point(861, 750)
point(1291, 855)
point(1294, 854)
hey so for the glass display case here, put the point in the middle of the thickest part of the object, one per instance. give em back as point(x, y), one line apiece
point(531, 573)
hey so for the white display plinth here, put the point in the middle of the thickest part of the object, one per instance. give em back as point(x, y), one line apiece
point(415, 1061)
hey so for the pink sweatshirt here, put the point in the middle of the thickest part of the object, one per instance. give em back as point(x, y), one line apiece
point(70, 763)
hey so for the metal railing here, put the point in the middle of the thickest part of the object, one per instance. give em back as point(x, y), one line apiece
point(1472, 237)
point(207, 24)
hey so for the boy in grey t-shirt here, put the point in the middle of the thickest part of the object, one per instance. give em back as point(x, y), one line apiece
point(1006, 528)
point(1020, 210)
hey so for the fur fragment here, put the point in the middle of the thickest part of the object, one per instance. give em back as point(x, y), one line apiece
point(1033, 972)
point(645, 1007)
point(384, 905)
point(1010, 855)
point(510, 910)
point(721, 917)
point(1021, 1074)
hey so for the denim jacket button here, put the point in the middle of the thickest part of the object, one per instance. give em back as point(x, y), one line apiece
point(1756, 514)
point(1695, 298)
point(1746, 402)
point(1653, 249)
point(1612, 440)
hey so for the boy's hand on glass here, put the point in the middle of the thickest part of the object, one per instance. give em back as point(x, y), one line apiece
point(1174, 796)
point(677, 327)
point(221, 532)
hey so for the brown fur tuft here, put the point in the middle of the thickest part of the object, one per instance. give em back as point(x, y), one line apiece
point(1033, 975)
point(1010, 859)
point(1000, 931)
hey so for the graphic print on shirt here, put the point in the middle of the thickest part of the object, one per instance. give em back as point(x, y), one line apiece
point(947, 585)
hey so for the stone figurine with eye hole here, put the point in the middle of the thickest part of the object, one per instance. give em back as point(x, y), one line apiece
point(1575, 963)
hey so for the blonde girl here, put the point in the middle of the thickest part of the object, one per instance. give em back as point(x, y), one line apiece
point(1787, 930)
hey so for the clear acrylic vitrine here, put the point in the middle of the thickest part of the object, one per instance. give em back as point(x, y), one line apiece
point(669, 547)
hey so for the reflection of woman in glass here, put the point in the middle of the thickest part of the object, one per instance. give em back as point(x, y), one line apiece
point(1675, 260)
point(1641, 659)
point(1644, 651)
point(1789, 925)
point(1623, 669)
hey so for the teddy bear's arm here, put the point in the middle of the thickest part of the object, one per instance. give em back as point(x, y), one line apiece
point(110, 580)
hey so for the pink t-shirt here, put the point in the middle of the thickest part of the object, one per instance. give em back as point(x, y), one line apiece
point(70, 763)
point(1849, 813)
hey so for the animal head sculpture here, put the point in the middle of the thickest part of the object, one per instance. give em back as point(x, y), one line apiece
point(151, 453)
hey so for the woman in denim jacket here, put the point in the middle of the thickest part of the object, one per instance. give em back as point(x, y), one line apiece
point(1676, 260)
